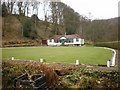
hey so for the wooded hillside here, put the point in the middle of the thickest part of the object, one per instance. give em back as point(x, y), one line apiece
point(58, 19)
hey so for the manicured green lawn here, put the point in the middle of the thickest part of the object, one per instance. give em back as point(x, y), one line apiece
point(86, 55)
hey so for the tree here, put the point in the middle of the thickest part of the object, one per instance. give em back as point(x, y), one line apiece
point(10, 5)
point(64, 16)
point(29, 27)
point(71, 20)
point(4, 10)
point(27, 7)
point(20, 8)
point(54, 15)
point(35, 6)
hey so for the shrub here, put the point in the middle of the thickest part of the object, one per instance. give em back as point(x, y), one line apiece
point(19, 43)
point(12, 69)
point(74, 77)
point(88, 83)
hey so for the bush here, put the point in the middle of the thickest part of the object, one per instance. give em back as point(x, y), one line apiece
point(29, 28)
point(88, 83)
point(12, 69)
point(19, 43)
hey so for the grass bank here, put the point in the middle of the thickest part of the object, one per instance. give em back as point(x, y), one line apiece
point(114, 44)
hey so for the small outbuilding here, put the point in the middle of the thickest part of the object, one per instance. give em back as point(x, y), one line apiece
point(66, 40)
point(44, 42)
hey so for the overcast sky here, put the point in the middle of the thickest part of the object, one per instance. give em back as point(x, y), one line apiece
point(99, 9)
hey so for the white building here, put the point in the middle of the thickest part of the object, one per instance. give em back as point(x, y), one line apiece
point(66, 40)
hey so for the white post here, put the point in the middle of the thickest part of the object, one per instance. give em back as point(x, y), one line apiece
point(113, 58)
point(41, 60)
point(108, 63)
point(12, 58)
point(77, 62)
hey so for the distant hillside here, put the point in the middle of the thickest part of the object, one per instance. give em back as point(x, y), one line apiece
point(13, 28)
point(19, 29)
point(114, 20)
point(113, 26)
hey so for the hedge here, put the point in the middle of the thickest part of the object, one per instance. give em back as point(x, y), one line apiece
point(114, 44)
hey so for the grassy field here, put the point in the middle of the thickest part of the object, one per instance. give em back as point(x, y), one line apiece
point(86, 55)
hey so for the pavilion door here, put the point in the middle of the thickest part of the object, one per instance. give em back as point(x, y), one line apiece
point(63, 41)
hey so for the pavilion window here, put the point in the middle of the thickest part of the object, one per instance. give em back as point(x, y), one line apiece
point(55, 40)
point(59, 40)
point(71, 40)
point(50, 40)
point(67, 40)
point(77, 40)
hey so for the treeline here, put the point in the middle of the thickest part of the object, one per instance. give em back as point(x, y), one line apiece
point(101, 30)
point(58, 18)
point(61, 17)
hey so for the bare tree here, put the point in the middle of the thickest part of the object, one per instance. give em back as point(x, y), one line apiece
point(27, 7)
point(12, 5)
point(20, 7)
point(35, 6)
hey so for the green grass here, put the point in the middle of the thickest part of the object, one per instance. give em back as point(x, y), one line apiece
point(86, 55)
